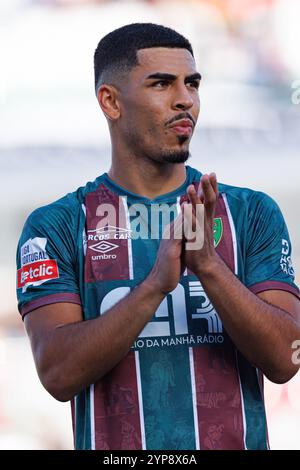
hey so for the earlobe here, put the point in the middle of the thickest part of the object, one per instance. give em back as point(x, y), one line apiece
point(108, 101)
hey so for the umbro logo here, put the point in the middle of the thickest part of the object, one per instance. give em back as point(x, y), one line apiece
point(104, 247)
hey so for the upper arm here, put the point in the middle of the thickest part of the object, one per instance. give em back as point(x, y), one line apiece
point(41, 323)
point(268, 256)
point(284, 300)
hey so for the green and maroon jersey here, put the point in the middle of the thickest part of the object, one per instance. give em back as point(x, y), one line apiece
point(183, 384)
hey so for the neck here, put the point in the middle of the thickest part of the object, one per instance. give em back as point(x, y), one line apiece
point(146, 177)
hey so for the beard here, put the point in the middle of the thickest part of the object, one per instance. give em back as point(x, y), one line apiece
point(174, 156)
point(159, 155)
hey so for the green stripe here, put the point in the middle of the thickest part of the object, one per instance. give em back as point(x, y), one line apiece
point(83, 421)
point(167, 399)
point(256, 423)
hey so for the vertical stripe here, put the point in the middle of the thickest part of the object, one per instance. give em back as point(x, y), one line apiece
point(168, 403)
point(129, 245)
point(84, 238)
point(256, 430)
point(260, 378)
point(194, 396)
point(140, 398)
point(234, 242)
point(92, 417)
point(218, 399)
point(233, 233)
point(117, 415)
point(185, 272)
point(73, 411)
point(242, 401)
point(107, 256)
point(255, 427)
point(83, 422)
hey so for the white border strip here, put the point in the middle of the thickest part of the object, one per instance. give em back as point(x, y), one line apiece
point(185, 272)
point(75, 421)
point(140, 396)
point(92, 415)
point(233, 233)
point(242, 400)
point(129, 245)
point(194, 396)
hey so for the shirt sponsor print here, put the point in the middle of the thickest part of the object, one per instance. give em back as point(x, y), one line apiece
point(286, 263)
point(36, 266)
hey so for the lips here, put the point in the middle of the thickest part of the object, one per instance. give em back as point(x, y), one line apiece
point(183, 126)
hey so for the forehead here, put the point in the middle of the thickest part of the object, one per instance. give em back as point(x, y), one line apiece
point(162, 59)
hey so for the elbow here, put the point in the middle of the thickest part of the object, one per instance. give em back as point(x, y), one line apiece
point(53, 380)
point(57, 388)
point(281, 376)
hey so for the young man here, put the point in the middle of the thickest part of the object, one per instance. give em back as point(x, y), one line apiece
point(158, 346)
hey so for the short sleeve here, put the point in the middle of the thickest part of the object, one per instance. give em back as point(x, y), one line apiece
point(46, 259)
point(268, 263)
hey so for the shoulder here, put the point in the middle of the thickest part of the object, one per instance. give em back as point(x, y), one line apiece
point(248, 198)
point(65, 211)
point(61, 212)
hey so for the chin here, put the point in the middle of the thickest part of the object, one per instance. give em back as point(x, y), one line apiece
point(175, 156)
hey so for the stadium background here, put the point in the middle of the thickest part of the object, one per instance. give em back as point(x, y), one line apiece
point(53, 139)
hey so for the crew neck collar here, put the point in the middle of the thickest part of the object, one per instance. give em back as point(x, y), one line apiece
point(162, 197)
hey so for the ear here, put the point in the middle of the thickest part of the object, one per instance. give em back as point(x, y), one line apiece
point(108, 101)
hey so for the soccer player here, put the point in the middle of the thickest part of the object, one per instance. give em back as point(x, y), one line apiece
point(156, 345)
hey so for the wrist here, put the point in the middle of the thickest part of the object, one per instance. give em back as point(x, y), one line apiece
point(208, 266)
point(152, 287)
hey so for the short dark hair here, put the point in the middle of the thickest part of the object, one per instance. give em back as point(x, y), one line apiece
point(116, 53)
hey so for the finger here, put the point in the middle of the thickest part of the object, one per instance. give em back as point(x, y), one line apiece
point(200, 192)
point(214, 183)
point(192, 195)
point(210, 197)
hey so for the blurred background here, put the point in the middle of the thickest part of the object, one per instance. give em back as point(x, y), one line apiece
point(53, 139)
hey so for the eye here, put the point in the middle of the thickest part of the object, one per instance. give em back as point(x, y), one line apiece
point(161, 84)
point(194, 84)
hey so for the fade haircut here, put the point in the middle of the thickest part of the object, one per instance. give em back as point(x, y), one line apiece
point(116, 53)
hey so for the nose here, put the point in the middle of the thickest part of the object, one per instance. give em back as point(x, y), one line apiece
point(182, 98)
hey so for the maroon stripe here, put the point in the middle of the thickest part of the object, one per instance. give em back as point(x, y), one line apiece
point(116, 408)
point(219, 405)
point(107, 252)
point(277, 285)
point(68, 297)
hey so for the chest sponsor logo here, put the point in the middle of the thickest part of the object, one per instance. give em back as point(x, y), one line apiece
point(103, 246)
point(110, 232)
point(180, 319)
point(36, 267)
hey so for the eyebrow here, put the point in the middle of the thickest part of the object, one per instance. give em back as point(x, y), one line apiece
point(171, 77)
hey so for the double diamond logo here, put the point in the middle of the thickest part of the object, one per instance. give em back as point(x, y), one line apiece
point(104, 247)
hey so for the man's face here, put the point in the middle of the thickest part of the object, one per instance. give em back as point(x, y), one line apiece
point(160, 104)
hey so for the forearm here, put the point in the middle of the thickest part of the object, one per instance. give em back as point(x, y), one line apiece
point(81, 353)
point(263, 333)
